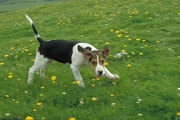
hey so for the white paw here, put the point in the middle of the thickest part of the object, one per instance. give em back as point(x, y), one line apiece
point(29, 82)
point(115, 76)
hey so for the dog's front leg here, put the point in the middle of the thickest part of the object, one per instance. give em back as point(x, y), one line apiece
point(110, 75)
point(77, 75)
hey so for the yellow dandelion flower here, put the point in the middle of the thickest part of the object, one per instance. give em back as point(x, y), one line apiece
point(123, 50)
point(143, 40)
point(107, 43)
point(99, 32)
point(125, 45)
point(156, 49)
point(29, 118)
point(117, 31)
point(53, 78)
point(129, 39)
point(120, 35)
point(78, 82)
point(1, 63)
point(92, 85)
point(112, 95)
point(146, 13)
point(94, 98)
point(42, 87)
point(133, 53)
point(157, 41)
point(140, 53)
point(6, 55)
point(26, 50)
point(128, 65)
point(106, 64)
point(138, 39)
point(72, 118)
point(39, 103)
point(10, 76)
point(97, 78)
point(7, 96)
point(111, 30)
point(41, 95)
point(178, 113)
point(34, 110)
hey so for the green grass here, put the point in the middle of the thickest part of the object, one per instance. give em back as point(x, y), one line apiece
point(148, 31)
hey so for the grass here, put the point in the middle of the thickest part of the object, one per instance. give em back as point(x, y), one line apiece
point(147, 30)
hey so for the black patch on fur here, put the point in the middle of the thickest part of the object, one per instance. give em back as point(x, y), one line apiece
point(88, 48)
point(58, 50)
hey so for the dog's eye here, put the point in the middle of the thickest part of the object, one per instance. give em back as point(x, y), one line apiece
point(93, 62)
point(102, 61)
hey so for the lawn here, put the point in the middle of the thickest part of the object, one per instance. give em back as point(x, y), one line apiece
point(148, 87)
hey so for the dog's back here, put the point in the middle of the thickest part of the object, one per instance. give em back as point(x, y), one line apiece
point(58, 50)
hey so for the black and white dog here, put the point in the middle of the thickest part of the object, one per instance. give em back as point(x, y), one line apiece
point(76, 54)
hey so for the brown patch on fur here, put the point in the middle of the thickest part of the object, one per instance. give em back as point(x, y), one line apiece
point(94, 61)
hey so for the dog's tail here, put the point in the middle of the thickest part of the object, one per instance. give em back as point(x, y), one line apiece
point(34, 29)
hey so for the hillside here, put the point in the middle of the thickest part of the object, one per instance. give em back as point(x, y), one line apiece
point(149, 85)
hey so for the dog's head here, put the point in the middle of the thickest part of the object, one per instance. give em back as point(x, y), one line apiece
point(96, 59)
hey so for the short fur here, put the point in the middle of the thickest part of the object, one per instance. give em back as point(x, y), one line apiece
point(76, 54)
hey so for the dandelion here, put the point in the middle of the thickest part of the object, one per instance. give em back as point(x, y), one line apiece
point(34, 110)
point(10, 76)
point(178, 113)
point(42, 87)
point(140, 114)
point(53, 78)
point(92, 85)
point(111, 30)
point(112, 95)
point(117, 31)
point(140, 53)
point(7, 96)
point(107, 43)
point(98, 31)
point(138, 39)
point(78, 82)
point(123, 50)
point(120, 35)
point(133, 53)
point(72, 118)
point(41, 95)
point(39, 103)
point(29, 118)
point(94, 98)
point(6, 55)
point(128, 65)
point(143, 40)
point(156, 49)
point(106, 64)
point(1, 63)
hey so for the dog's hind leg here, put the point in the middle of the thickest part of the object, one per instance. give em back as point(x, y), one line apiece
point(42, 70)
point(39, 62)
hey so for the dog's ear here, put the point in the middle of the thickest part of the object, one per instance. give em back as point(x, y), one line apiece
point(105, 51)
point(86, 53)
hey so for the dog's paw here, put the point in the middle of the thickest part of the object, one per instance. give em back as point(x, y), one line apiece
point(115, 76)
point(29, 81)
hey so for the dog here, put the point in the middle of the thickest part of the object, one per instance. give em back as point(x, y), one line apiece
point(74, 53)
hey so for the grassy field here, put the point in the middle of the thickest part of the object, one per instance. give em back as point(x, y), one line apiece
point(149, 88)
point(10, 5)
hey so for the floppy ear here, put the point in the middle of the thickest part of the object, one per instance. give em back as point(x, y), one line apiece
point(106, 51)
point(86, 53)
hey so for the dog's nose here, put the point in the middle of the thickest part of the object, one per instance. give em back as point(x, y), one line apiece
point(100, 72)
